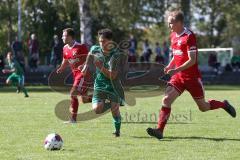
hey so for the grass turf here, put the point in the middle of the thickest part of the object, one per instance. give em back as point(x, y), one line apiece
point(190, 134)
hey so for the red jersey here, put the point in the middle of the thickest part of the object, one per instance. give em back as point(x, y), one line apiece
point(181, 45)
point(76, 56)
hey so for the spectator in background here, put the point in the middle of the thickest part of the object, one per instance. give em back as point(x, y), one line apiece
point(57, 49)
point(235, 62)
point(212, 62)
point(17, 52)
point(159, 57)
point(146, 52)
point(33, 47)
point(2, 64)
point(166, 52)
point(132, 50)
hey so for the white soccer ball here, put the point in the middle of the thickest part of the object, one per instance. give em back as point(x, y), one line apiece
point(53, 142)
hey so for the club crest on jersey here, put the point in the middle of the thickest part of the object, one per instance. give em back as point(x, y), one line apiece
point(179, 42)
point(74, 53)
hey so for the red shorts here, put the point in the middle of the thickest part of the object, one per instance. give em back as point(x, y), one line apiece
point(194, 86)
point(81, 84)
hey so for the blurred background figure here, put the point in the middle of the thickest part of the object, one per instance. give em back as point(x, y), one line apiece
point(2, 63)
point(33, 47)
point(17, 49)
point(213, 62)
point(146, 52)
point(132, 55)
point(166, 52)
point(159, 57)
point(235, 62)
point(56, 53)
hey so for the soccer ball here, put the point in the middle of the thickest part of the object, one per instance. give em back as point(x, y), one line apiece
point(53, 142)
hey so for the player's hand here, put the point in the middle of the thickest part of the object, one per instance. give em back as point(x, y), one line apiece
point(99, 64)
point(172, 72)
point(166, 70)
point(83, 69)
point(60, 70)
point(5, 71)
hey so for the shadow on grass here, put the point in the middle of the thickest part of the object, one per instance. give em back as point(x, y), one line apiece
point(29, 89)
point(171, 138)
point(150, 122)
point(68, 150)
point(201, 138)
point(148, 137)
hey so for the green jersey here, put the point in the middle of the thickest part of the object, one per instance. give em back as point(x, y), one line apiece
point(235, 59)
point(15, 65)
point(110, 62)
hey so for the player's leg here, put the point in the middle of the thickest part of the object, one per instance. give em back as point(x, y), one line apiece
point(74, 104)
point(204, 106)
point(21, 85)
point(12, 80)
point(196, 89)
point(170, 96)
point(98, 106)
point(101, 101)
point(74, 92)
point(116, 118)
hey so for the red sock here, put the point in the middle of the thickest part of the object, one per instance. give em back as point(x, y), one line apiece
point(216, 104)
point(74, 107)
point(163, 117)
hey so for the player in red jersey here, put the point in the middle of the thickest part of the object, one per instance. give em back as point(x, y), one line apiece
point(184, 73)
point(74, 54)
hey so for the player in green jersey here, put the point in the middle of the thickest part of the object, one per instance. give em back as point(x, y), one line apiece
point(16, 77)
point(108, 91)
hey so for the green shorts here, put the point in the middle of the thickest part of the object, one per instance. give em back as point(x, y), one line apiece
point(99, 96)
point(16, 79)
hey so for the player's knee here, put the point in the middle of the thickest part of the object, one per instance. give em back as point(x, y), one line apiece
point(73, 92)
point(73, 97)
point(166, 101)
point(97, 110)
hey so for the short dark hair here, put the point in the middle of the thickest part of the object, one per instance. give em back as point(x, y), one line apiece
point(70, 32)
point(106, 33)
point(178, 15)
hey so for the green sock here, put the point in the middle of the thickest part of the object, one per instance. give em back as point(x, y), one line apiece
point(117, 123)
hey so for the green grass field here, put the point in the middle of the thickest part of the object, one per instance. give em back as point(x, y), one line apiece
point(190, 134)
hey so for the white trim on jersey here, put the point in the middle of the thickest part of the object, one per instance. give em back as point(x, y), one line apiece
point(75, 43)
point(186, 30)
point(80, 84)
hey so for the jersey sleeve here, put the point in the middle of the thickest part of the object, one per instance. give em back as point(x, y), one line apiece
point(84, 49)
point(94, 49)
point(191, 43)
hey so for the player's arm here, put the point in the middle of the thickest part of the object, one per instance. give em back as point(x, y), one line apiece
point(8, 70)
point(63, 65)
point(170, 65)
point(192, 56)
point(111, 73)
point(88, 62)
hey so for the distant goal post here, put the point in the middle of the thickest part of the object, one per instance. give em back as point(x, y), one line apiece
point(224, 55)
